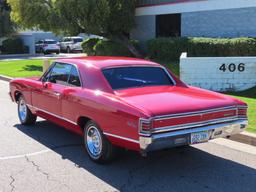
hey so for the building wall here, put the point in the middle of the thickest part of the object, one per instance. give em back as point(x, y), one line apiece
point(204, 72)
point(145, 28)
point(221, 23)
point(159, 2)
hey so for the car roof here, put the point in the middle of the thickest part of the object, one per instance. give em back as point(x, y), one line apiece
point(105, 62)
point(74, 37)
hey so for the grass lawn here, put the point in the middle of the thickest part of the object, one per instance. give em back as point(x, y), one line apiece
point(21, 68)
point(29, 68)
point(249, 96)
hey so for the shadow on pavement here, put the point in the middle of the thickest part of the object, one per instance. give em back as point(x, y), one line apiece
point(179, 169)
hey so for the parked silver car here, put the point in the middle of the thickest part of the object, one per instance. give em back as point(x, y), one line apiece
point(71, 44)
point(47, 46)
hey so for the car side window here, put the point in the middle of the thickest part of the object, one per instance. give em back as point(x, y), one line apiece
point(74, 79)
point(60, 74)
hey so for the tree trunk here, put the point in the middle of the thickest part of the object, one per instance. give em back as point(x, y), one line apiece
point(125, 42)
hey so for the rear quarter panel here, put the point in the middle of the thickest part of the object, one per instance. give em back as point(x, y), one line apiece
point(112, 115)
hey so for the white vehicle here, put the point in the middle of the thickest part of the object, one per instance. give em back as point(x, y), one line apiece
point(47, 46)
point(71, 44)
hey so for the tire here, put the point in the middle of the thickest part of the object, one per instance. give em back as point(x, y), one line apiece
point(57, 52)
point(24, 113)
point(99, 150)
point(41, 50)
point(68, 50)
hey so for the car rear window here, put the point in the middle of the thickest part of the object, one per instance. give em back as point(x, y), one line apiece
point(131, 77)
point(50, 42)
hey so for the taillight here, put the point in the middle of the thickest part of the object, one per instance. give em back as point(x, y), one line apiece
point(242, 111)
point(145, 126)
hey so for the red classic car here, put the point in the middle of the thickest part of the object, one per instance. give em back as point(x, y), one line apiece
point(125, 102)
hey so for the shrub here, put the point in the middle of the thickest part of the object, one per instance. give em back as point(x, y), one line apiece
point(88, 46)
point(103, 47)
point(171, 48)
point(14, 46)
point(110, 48)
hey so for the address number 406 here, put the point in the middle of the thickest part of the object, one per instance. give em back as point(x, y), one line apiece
point(232, 67)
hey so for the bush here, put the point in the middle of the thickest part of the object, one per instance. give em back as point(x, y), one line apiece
point(109, 48)
point(14, 46)
point(103, 47)
point(171, 48)
point(88, 46)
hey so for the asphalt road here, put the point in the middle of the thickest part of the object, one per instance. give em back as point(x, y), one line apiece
point(45, 157)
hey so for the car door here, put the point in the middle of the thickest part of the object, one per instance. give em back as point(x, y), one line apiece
point(62, 44)
point(71, 97)
point(47, 96)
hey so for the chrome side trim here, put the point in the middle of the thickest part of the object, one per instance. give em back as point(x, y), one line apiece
point(120, 137)
point(108, 134)
point(59, 117)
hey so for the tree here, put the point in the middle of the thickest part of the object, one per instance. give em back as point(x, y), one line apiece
point(112, 19)
point(6, 26)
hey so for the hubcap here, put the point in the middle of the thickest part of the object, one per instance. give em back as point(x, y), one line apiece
point(22, 110)
point(93, 141)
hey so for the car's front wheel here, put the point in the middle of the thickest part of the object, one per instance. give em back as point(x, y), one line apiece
point(99, 149)
point(25, 115)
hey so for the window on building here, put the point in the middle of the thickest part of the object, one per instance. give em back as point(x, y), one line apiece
point(168, 25)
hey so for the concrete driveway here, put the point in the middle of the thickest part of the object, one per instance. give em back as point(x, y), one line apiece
point(46, 157)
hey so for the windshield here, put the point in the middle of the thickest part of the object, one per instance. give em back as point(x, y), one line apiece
point(130, 77)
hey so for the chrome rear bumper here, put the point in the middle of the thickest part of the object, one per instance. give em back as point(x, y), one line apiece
point(182, 137)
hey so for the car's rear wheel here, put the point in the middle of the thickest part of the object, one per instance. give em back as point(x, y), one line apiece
point(99, 149)
point(25, 115)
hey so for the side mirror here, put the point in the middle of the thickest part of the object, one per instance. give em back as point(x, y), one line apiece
point(45, 84)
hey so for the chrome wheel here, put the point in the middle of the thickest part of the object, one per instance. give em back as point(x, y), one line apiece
point(22, 110)
point(93, 141)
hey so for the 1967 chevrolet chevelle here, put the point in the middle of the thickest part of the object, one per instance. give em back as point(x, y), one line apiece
point(125, 102)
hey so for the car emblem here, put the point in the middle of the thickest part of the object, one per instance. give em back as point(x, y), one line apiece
point(131, 124)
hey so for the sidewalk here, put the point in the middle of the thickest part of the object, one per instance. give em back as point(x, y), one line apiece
point(13, 57)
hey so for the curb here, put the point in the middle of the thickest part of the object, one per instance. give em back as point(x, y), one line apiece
point(3, 56)
point(5, 78)
point(244, 137)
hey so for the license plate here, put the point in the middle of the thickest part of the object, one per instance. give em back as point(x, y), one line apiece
point(199, 137)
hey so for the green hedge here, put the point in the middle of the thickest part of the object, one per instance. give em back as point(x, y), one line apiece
point(88, 46)
point(171, 48)
point(103, 47)
point(14, 46)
